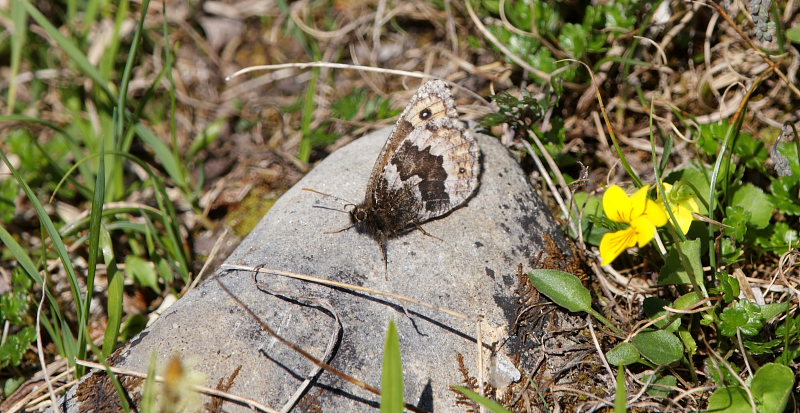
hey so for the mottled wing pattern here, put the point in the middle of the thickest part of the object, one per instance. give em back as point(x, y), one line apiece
point(429, 96)
point(430, 158)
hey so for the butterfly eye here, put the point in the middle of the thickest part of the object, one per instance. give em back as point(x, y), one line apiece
point(424, 113)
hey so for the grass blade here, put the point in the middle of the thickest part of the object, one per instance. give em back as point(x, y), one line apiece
point(95, 222)
point(69, 48)
point(392, 377)
point(486, 402)
point(61, 251)
point(20, 19)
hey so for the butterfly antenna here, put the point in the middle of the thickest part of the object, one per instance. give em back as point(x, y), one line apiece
point(344, 201)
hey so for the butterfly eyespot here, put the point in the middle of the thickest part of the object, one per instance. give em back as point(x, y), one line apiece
point(462, 170)
point(424, 113)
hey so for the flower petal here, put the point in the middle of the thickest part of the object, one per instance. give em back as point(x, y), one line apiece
point(691, 204)
point(654, 211)
point(639, 202)
point(613, 243)
point(645, 230)
point(617, 204)
point(682, 205)
point(684, 217)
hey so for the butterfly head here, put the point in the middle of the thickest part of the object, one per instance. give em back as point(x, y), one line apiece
point(358, 214)
point(367, 219)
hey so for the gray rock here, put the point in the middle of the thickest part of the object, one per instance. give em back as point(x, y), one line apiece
point(468, 265)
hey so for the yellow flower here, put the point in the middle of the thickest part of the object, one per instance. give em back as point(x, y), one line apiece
point(638, 211)
point(682, 204)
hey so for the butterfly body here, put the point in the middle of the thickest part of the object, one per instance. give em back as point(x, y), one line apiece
point(428, 167)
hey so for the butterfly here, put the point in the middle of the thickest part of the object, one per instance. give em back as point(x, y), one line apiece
point(429, 166)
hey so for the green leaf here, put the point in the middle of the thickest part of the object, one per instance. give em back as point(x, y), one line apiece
point(793, 34)
point(623, 354)
point(743, 316)
point(777, 238)
point(729, 286)
point(141, 272)
point(731, 252)
point(486, 402)
point(322, 135)
point(659, 346)
point(711, 134)
point(790, 327)
point(765, 347)
point(308, 106)
point(729, 400)
point(753, 200)
point(573, 39)
point(15, 346)
point(621, 394)
point(149, 393)
point(785, 194)
point(654, 308)
point(751, 152)
point(8, 191)
point(20, 281)
point(662, 386)
point(736, 219)
point(69, 48)
point(619, 15)
point(11, 385)
point(720, 374)
point(518, 112)
point(95, 230)
point(115, 292)
point(14, 306)
point(530, 49)
point(168, 160)
point(789, 150)
point(351, 105)
point(207, 136)
point(18, 43)
point(592, 206)
point(675, 269)
point(392, 391)
point(22, 143)
point(164, 271)
point(689, 343)
point(563, 288)
point(771, 386)
point(697, 182)
point(687, 300)
point(769, 311)
point(68, 341)
point(133, 326)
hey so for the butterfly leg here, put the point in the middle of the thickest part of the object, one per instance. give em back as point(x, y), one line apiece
point(341, 230)
point(382, 238)
point(422, 230)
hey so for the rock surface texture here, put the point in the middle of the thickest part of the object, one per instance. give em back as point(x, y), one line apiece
point(468, 265)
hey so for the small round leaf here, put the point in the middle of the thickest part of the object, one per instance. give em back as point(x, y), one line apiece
point(659, 346)
point(563, 288)
point(623, 354)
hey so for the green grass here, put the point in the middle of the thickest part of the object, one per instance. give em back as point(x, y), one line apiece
point(755, 223)
point(88, 141)
point(83, 165)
